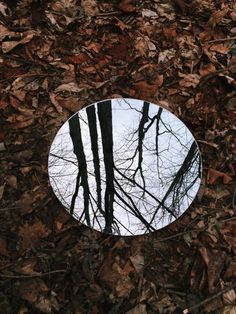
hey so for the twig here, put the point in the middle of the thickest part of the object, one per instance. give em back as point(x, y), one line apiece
point(221, 39)
point(106, 14)
point(33, 275)
point(186, 311)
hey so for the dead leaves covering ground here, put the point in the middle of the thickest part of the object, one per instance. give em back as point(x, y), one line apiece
point(57, 56)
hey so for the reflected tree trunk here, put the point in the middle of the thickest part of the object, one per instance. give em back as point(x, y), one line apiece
point(91, 115)
point(75, 134)
point(141, 134)
point(105, 120)
point(158, 117)
point(186, 165)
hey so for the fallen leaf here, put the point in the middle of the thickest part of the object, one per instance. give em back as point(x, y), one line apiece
point(69, 87)
point(217, 17)
point(3, 248)
point(138, 262)
point(222, 48)
point(127, 6)
point(146, 90)
point(31, 234)
point(166, 55)
point(9, 45)
point(3, 9)
point(189, 80)
point(206, 69)
point(213, 175)
point(54, 101)
point(30, 289)
point(1, 191)
point(22, 124)
point(28, 268)
point(231, 270)
point(44, 305)
point(149, 13)
point(144, 46)
point(229, 299)
point(90, 7)
point(138, 309)
point(12, 181)
point(70, 103)
point(229, 232)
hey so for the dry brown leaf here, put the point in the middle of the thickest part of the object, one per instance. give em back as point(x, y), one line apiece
point(90, 7)
point(146, 90)
point(127, 6)
point(144, 47)
point(213, 175)
point(31, 234)
point(3, 9)
point(96, 47)
point(22, 124)
point(3, 248)
point(189, 80)
point(229, 232)
point(54, 101)
point(138, 262)
point(206, 69)
point(28, 268)
point(1, 191)
point(65, 7)
point(149, 13)
point(12, 181)
point(138, 309)
point(214, 261)
point(70, 103)
point(217, 16)
point(166, 55)
point(4, 32)
point(77, 59)
point(114, 276)
point(230, 271)
point(44, 305)
point(229, 299)
point(69, 87)
point(222, 48)
point(9, 45)
point(30, 289)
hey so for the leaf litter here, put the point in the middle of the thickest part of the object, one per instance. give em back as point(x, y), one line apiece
point(58, 56)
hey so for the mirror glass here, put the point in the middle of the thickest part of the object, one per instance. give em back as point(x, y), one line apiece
point(125, 166)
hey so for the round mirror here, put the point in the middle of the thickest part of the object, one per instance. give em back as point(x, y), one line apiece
point(125, 166)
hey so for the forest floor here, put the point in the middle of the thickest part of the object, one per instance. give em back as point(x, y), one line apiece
point(57, 56)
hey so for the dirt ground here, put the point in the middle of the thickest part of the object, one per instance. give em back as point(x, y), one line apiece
point(60, 55)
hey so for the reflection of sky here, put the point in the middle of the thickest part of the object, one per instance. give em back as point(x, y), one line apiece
point(174, 143)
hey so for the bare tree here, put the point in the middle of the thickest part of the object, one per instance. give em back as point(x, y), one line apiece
point(75, 133)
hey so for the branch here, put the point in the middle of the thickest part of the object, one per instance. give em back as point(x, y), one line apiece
point(190, 309)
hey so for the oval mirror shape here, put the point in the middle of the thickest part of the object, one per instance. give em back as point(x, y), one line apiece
point(125, 166)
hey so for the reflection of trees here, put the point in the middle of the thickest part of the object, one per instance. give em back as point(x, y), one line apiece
point(105, 119)
point(140, 181)
point(75, 133)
